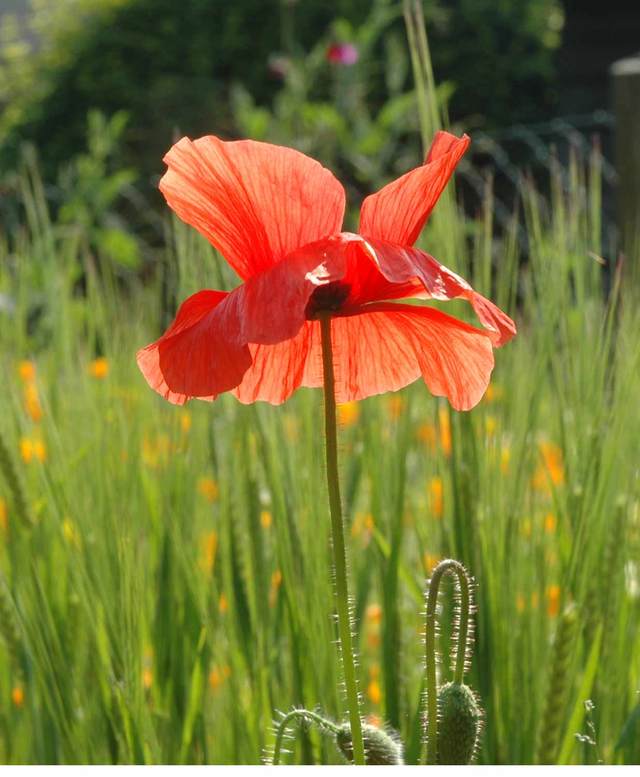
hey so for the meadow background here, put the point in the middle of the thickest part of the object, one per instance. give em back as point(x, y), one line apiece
point(164, 584)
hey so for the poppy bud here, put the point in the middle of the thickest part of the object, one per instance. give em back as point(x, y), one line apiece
point(459, 725)
point(380, 747)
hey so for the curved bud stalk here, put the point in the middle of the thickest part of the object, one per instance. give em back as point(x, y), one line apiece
point(305, 717)
point(454, 716)
point(381, 746)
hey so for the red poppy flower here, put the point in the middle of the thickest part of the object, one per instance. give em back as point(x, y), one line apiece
point(276, 216)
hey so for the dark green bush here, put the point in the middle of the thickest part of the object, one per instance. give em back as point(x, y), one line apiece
point(173, 66)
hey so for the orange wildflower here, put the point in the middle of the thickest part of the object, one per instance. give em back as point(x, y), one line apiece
point(208, 488)
point(427, 435)
point(550, 471)
point(550, 523)
point(26, 450)
point(348, 413)
point(436, 496)
point(276, 582)
point(397, 404)
point(266, 519)
point(553, 600)
point(4, 515)
point(17, 696)
point(99, 368)
point(430, 561)
point(39, 450)
point(27, 371)
point(362, 526)
point(223, 604)
point(32, 402)
point(373, 614)
point(374, 693)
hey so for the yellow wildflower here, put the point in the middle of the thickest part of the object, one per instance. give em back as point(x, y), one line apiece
point(70, 533)
point(185, 421)
point(223, 604)
point(436, 496)
point(27, 371)
point(490, 425)
point(520, 603)
point(266, 519)
point(430, 561)
point(4, 515)
point(505, 459)
point(209, 547)
point(208, 488)
point(99, 368)
point(26, 449)
point(147, 678)
point(444, 425)
point(348, 413)
point(39, 450)
point(494, 392)
point(32, 402)
point(525, 529)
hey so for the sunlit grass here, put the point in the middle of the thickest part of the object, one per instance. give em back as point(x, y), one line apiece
point(172, 591)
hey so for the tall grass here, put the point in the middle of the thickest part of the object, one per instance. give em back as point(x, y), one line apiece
point(164, 582)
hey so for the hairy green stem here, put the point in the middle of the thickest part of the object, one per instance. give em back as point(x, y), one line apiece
point(339, 549)
point(455, 568)
point(306, 715)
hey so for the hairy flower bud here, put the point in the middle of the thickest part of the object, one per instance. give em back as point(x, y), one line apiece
point(380, 747)
point(459, 724)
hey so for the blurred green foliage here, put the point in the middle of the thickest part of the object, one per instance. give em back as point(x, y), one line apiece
point(259, 67)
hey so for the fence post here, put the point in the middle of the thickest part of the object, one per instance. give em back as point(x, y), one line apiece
point(625, 81)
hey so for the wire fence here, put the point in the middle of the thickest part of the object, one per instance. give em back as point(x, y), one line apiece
point(510, 159)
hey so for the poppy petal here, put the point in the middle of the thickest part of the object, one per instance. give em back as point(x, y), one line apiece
point(277, 370)
point(402, 265)
point(255, 202)
point(198, 355)
point(399, 210)
point(389, 345)
point(216, 335)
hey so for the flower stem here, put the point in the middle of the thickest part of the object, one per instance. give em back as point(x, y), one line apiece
point(339, 550)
